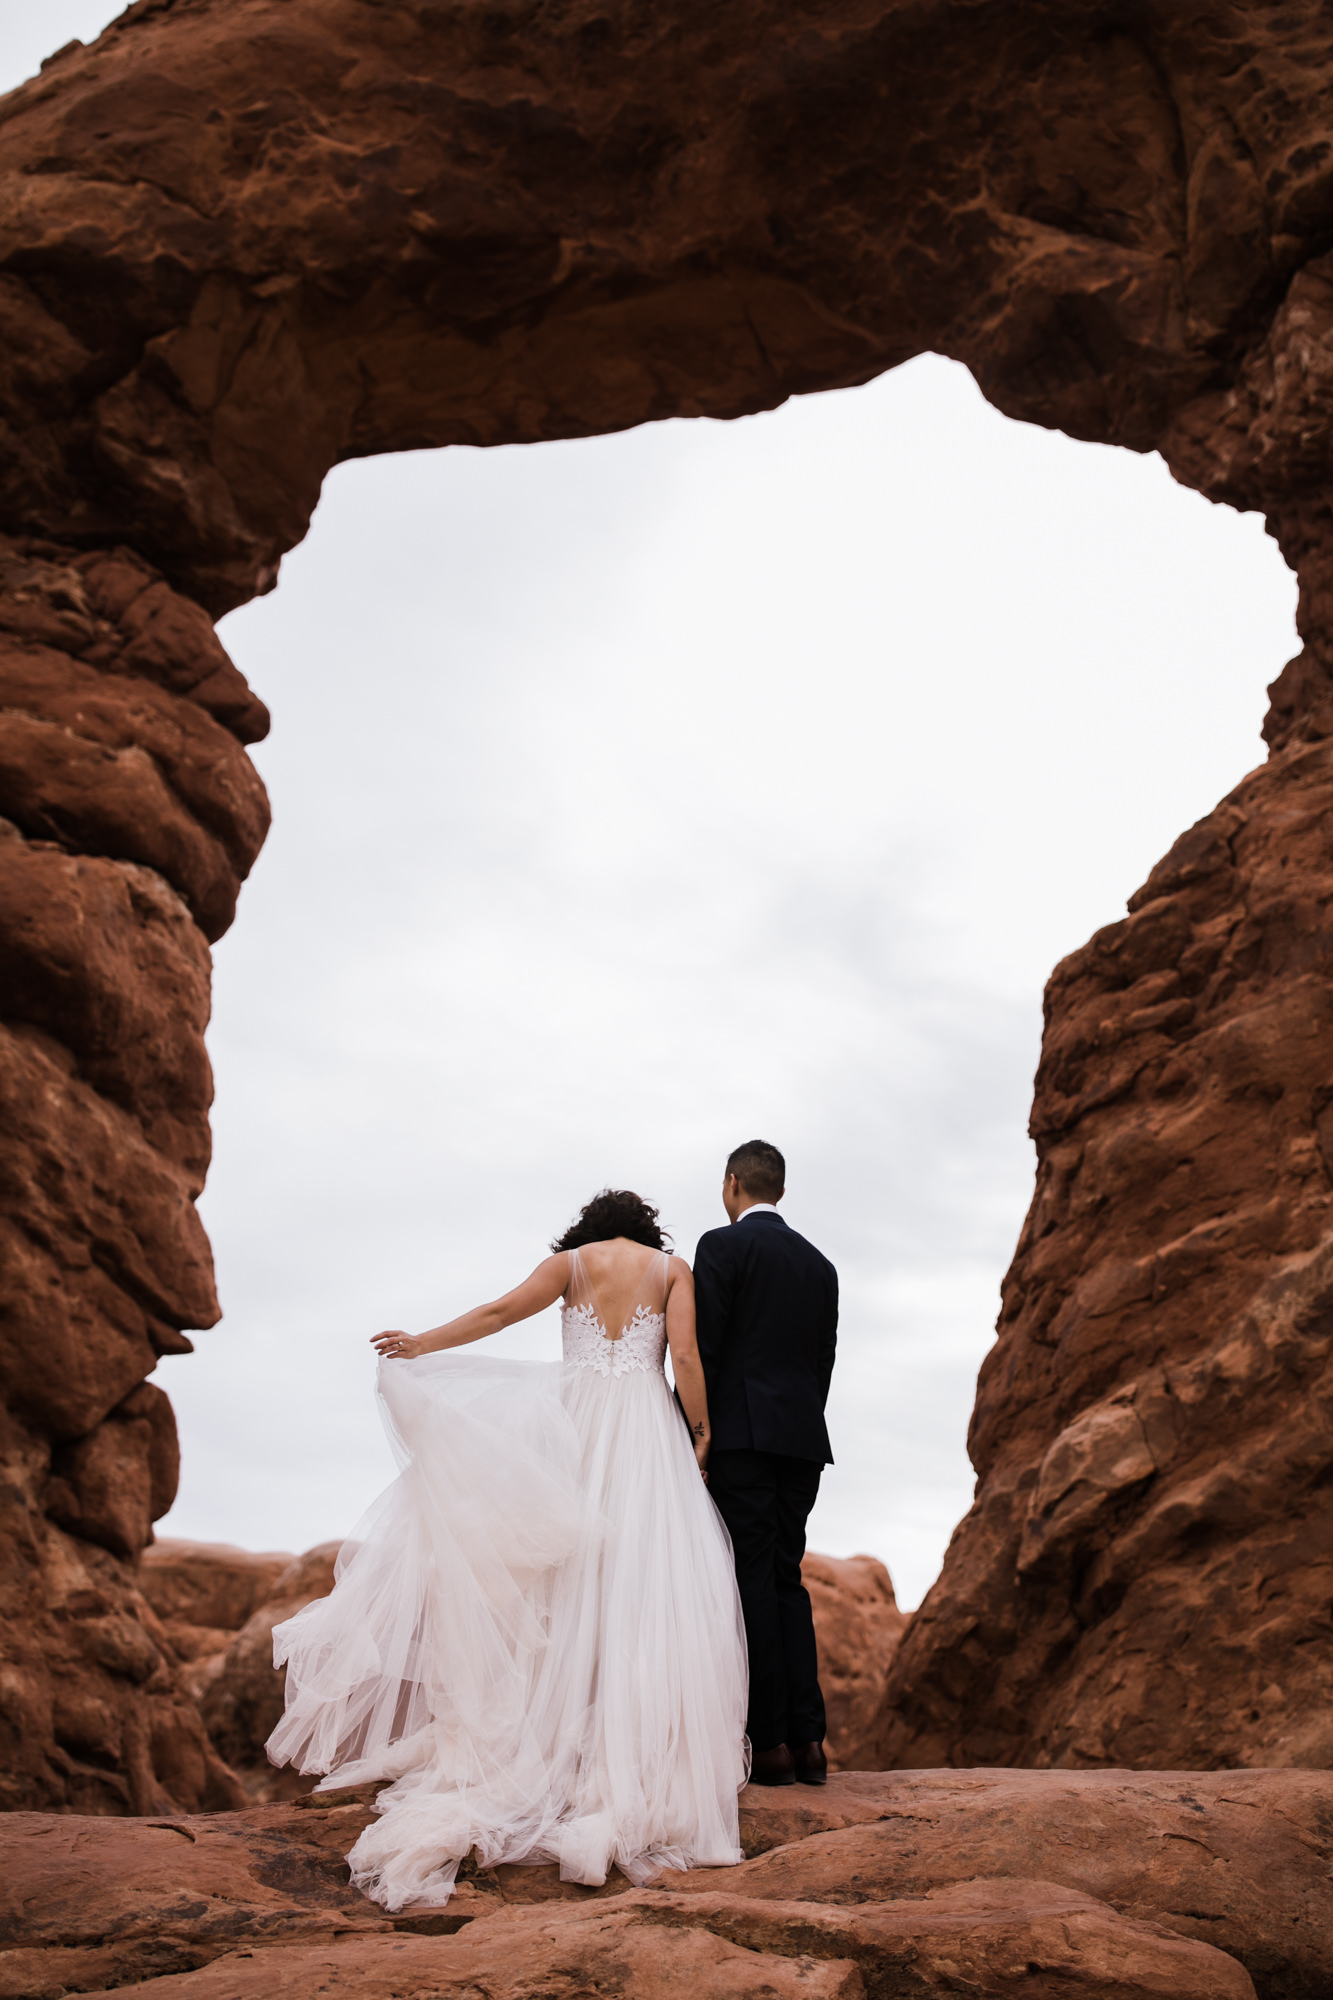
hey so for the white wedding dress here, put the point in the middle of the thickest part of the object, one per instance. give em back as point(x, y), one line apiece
point(535, 1632)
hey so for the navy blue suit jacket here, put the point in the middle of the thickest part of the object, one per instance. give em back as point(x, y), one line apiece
point(767, 1304)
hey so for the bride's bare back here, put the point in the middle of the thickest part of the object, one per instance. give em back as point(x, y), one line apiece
point(618, 1277)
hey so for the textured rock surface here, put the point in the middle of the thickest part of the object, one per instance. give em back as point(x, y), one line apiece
point(995, 1883)
point(242, 1701)
point(992, 1939)
point(1149, 1565)
point(1241, 1860)
point(858, 1627)
point(218, 1607)
point(88, 1904)
point(243, 239)
point(129, 814)
point(207, 1590)
point(433, 225)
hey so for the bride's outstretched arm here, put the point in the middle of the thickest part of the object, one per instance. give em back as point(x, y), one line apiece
point(537, 1292)
point(685, 1363)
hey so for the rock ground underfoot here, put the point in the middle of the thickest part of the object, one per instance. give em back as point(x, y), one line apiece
point(1196, 1886)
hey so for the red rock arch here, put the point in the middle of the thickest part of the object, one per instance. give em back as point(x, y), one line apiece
point(242, 240)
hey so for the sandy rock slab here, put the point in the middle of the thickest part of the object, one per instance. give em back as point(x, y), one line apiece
point(996, 1938)
point(88, 1904)
point(985, 1882)
point(1240, 1859)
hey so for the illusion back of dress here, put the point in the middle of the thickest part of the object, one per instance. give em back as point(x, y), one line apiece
point(621, 1328)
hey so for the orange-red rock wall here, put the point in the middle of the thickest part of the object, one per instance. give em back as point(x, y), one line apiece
point(129, 813)
point(1147, 1573)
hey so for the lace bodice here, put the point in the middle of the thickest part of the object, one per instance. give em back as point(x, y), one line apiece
point(641, 1347)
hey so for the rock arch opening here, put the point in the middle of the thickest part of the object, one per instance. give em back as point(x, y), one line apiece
point(454, 947)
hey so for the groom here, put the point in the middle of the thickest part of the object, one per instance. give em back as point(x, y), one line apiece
point(767, 1305)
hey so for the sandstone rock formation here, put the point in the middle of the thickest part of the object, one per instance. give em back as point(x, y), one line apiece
point(858, 1629)
point(218, 1607)
point(1149, 1561)
point(243, 239)
point(230, 1650)
point(131, 815)
point(204, 1593)
point(995, 1883)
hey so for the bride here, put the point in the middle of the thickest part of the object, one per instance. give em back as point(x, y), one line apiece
point(535, 1633)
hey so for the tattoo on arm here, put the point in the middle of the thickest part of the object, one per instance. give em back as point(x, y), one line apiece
point(698, 1430)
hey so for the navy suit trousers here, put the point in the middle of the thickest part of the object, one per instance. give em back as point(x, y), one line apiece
point(764, 1497)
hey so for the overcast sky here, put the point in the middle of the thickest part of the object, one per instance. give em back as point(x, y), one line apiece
point(640, 795)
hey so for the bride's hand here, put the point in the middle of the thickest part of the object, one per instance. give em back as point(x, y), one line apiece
point(701, 1460)
point(397, 1346)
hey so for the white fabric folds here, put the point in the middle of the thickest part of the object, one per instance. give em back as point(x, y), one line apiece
point(535, 1632)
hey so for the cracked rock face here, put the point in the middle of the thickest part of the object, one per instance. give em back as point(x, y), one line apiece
point(241, 240)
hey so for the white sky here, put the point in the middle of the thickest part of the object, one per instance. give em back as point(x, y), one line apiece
point(641, 795)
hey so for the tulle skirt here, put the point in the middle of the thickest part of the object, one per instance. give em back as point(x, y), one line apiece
point(535, 1634)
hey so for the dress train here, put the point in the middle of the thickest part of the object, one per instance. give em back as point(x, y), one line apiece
point(535, 1632)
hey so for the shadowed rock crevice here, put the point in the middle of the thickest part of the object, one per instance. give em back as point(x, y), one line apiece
point(243, 240)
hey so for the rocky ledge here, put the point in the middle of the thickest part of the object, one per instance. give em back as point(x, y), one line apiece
point(1197, 1886)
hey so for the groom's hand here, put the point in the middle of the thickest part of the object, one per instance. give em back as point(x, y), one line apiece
point(395, 1346)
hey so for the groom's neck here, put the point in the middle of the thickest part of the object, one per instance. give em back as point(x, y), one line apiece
point(737, 1199)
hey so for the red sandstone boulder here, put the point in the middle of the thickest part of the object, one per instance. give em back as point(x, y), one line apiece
point(242, 1695)
point(219, 1605)
point(858, 1627)
point(93, 1702)
point(111, 1485)
point(208, 1586)
point(87, 1904)
point(444, 227)
point(131, 815)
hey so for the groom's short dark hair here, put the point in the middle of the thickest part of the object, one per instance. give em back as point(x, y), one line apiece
point(760, 1169)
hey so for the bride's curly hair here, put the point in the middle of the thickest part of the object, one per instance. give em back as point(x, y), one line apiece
point(614, 1212)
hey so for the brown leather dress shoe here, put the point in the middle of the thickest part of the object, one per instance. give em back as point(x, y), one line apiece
point(809, 1763)
point(772, 1767)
